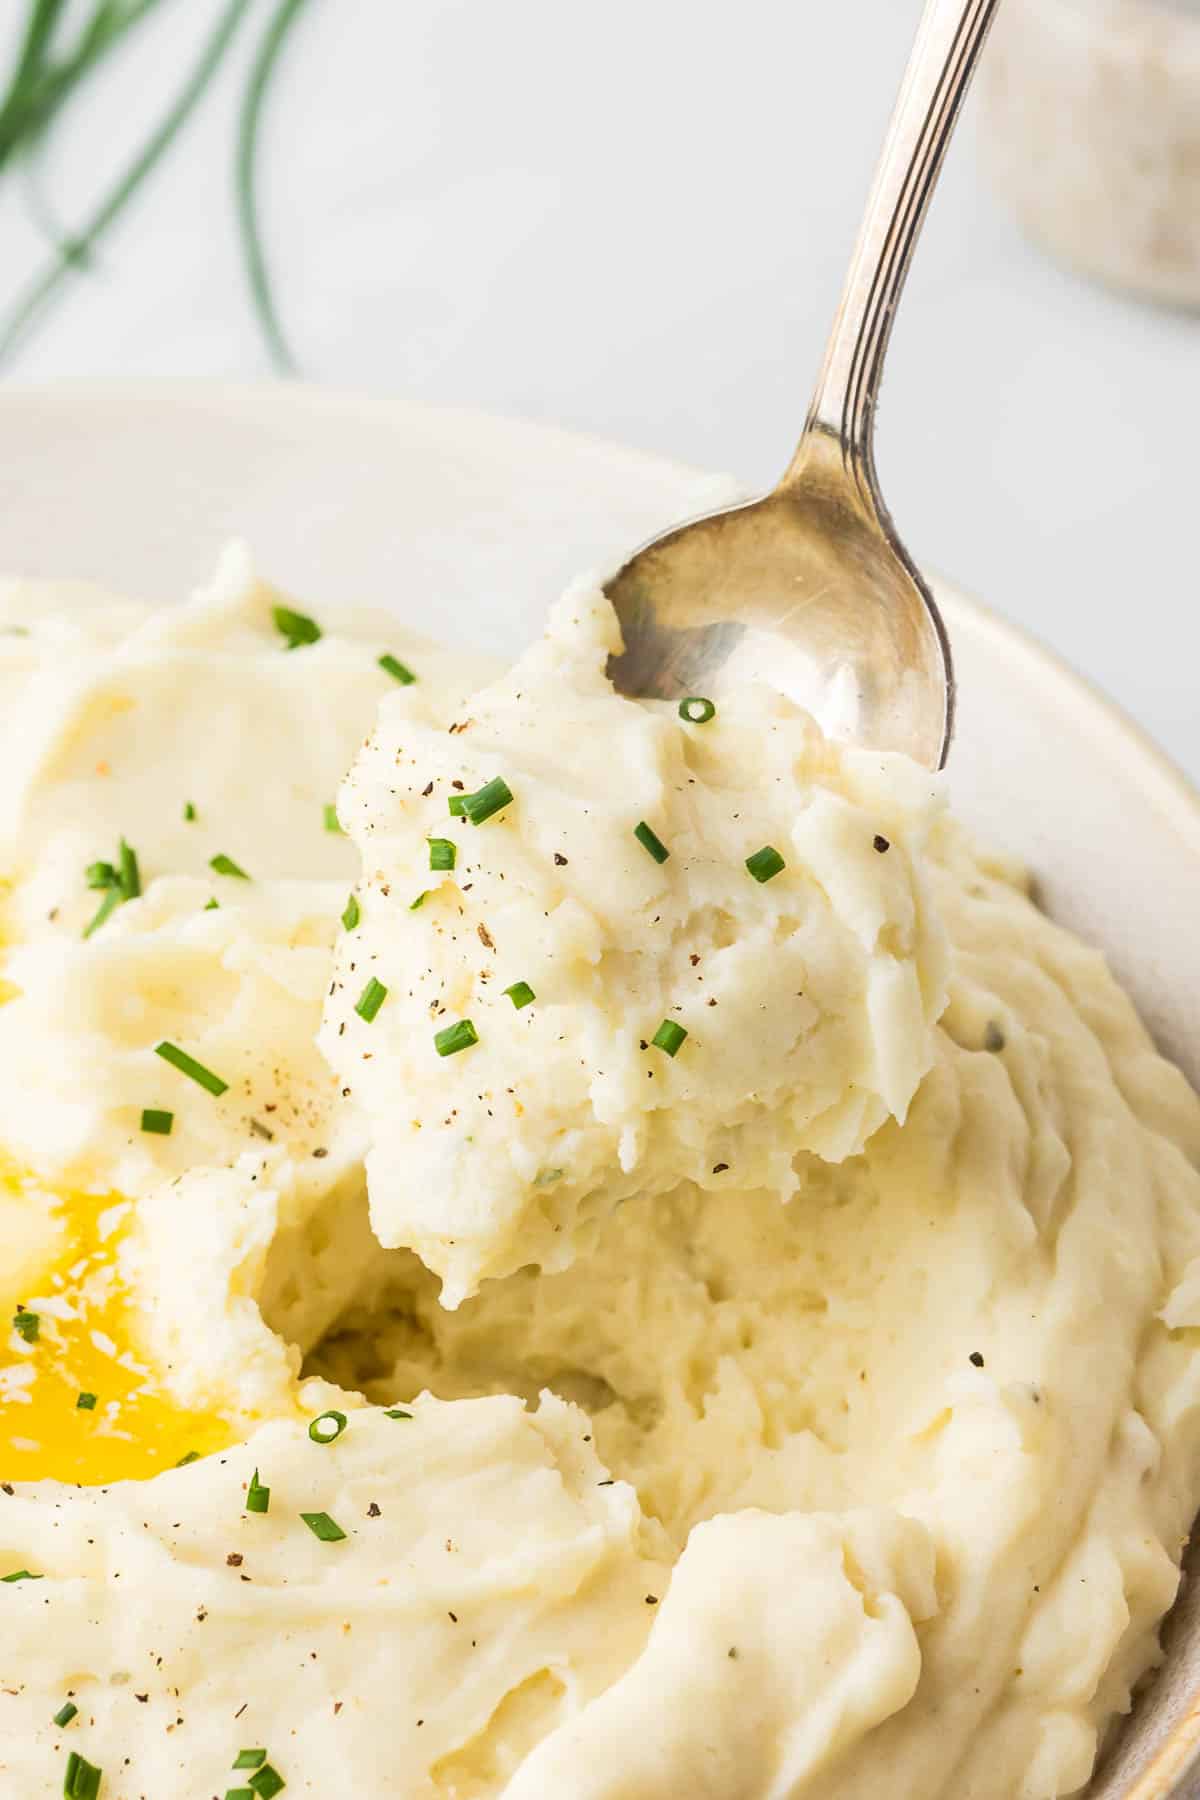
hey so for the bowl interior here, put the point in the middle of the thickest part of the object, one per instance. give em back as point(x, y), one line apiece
point(468, 527)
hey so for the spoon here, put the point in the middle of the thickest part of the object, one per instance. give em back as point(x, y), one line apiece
point(810, 589)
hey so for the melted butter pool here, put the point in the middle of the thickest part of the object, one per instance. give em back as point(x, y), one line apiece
point(68, 1270)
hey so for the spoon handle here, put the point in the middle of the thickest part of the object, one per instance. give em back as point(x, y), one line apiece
point(949, 40)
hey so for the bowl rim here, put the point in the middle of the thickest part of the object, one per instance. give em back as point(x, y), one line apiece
point(1176, 792)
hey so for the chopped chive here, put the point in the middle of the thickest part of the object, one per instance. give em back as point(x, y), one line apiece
point(187, 1065)
point(212, 905)
point(520, 993)
point(370, 1000)
point(159, 1123)
point(65, 1714)
point(21, 1575)
point(269, 1782)
point(225, 865)
point(327, 1429)
point(185, 1462)
point(442, 853)
point(458, 805)
point(331, 819)
point(697, 710)
point(296, 627)
point(250, 1759)
point(239, 1794)
point(120, 882)
point(189, 812)
point(352, 915)
point(420, 900)
point(669, 1037)
point(397, 1412)
point(129, 878)
point(650, 841)
point(396, 669)
point(455, 1038)
point(765, 864)
point(491, 798)
point(86, 1403)
point(107, 907)
point(323, 1527)
point(82, 1781)
point(258, 1497)
point(27, 1325)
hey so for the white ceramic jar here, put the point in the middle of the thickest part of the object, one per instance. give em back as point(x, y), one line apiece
point(1091, 124)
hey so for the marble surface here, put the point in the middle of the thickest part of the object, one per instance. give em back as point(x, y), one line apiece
point(633, 221)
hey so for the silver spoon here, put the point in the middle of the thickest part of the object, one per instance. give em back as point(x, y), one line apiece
point(810, 589)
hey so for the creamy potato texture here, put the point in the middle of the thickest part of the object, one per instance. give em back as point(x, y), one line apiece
point(805, 1406)
point(614, 886)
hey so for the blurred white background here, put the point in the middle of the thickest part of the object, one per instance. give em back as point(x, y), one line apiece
point(633, 219)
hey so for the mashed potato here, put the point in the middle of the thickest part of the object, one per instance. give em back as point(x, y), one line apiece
point(641, 1010)
point(861, 1465)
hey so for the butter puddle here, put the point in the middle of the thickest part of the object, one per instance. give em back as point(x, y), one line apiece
point(84, 1345)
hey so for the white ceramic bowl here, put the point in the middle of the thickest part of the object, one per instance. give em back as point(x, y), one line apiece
point(468, 527)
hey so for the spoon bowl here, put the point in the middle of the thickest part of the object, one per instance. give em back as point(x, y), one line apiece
point(810, 588)
point(807, 590)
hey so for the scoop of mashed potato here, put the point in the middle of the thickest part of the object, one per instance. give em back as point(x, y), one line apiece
point(675, 951)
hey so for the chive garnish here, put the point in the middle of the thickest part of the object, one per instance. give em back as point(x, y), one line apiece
point(269, 1782)
point(323, 1527)
point(352, 915)
point(650, 841)
point(488, 800)
point(129, 878)
point(296, 627)
point(86, 1403)
point(157, 1122)
point(397, 1412)
point(187, 1065)
point(457, 804)
point(65, 1714)
point(239, 1794)
point(765, 864)
point(120, 881)
point(442, 853)
point(669, 1037)
point(520, 993)
point(697, 710)
point(21, 1575)
point(250, 1759)
point(211, 905)
point(225, 865)
point(258, 1497)
point(396, 669)
point(82, 1781)
point(370, 1000)
point(189, 812)
point(327, 1429)
point(185, 1462)
point(331, 819)
point(455, 1038)
point(27, 1325)
point(107, 907)
point(419, 902)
